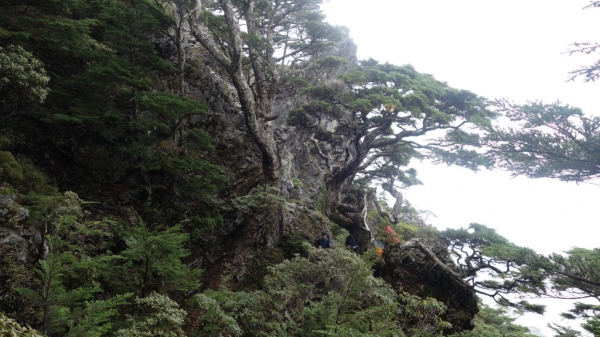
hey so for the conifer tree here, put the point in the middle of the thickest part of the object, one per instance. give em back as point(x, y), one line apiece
point(65, 295)
point(72, 312)
point(263, 64)
point(479, 249)
point(562, 331)
point(589, 72)
point(109, 115)
point(548, 141)
point(160, 316)
point(296, 28)
point(152, 262)
point(496, 322)
point(382, 115)
point(178, 10)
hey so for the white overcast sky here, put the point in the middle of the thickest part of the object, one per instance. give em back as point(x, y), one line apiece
point(513, 49)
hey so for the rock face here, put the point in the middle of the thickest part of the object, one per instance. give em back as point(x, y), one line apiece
point(11, 213)
point(23, 244)
point(11, 243)
point(425, 269)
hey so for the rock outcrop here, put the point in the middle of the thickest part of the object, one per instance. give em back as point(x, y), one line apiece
point(16, 239)
point(11, 213)
point(424, 268)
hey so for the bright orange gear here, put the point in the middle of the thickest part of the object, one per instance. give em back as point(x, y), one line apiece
point(379, 252)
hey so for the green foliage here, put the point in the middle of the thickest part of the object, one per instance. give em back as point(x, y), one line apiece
point(67, 295)
point(331, 61)
point(13, 274)
point(22, 76)
point(297, 182)
point(18, 170)
point(408, 208)
point(295, 244)
point(109, 116)
point(312, 34)
point(62, 216)
point(592, 325)
point(327, 292)
point(72, 312)
point(257, 198)
point(576, 273)
point(209, 222)
point(65, 292)
point(166, 112)
point(371, 256)
point(406, 231)
point(338, 233)
point(165, 119)
point(573, 274)
point(403, 230)
point(550, 141)
point(152, 261)
point(10, 170)
point(422, 316)
point(496, 322)
point(562, 331)
point(479, 248)
point(380, 111)
point(159, 316)
point(321, 199)
point(34, 182)
point(82, 85)
point(215, 322)
point(8, 327)
point(589, 72)
point(345, 304)
point(586, 311)
point(261, 200)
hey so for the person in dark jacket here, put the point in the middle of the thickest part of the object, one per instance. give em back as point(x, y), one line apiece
point(323, 241)
point(351, 243)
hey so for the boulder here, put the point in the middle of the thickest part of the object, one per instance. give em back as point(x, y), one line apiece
point(413, 267)
point(11, 213)
point(13, 244)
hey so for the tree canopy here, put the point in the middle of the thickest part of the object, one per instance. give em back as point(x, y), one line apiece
point(94, 94)
point(495, 267)
point(551, 141)
point(370, 122)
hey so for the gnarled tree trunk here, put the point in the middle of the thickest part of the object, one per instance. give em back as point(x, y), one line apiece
point(255, 107)
point(342, 214)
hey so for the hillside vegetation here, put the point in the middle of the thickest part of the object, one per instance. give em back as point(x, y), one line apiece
point(166, 168)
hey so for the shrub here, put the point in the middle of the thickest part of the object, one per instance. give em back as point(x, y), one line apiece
point(8, 327)
point(328, 292)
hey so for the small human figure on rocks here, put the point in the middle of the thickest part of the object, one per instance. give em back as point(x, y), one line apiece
point(323, 241)
point(351, 243)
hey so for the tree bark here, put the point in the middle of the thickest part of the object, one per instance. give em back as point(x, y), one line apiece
point(397, 209)
point(254, 111)
point(256, 107)
point(344, 215)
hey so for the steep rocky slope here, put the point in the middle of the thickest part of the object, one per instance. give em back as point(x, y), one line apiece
point(239, 250)
point(242, 251)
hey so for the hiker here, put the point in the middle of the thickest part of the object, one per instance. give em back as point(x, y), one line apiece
point(323, 241)
point(351, 243)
